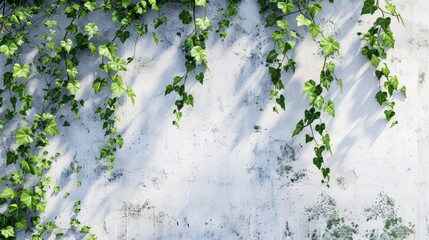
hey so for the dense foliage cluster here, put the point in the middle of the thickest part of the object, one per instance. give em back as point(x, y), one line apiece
point(64, 32)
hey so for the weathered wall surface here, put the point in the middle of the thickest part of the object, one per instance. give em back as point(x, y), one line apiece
point(232, 171)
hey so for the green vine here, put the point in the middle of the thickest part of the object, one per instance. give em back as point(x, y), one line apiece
point(56, 69)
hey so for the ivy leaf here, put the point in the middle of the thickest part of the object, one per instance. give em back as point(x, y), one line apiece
point(21, 70)
point(199, 54)
point(9, 49)
point(185, 16)
point(107, 50)
point(287, 7)
point(123, 36)
point(298, 128)
point(200, 3)
point(7, 193)
point(381, 97)
point(117, 64)
point(91, 29)
point(391, 8)
point(329, 45)
point(329, 108)
point(314, 9)
point(28, 199)
point(92, 237)
point(389, 114)
point(99, 84)
point(8, 232)
point(282, 24)
point(67, 45)
point(85, 229)
point(74, 223)
point(24, 136)
point(51, 128)
point(319, 101)
point(326, 139)
point(404, 91)
point(73, 86)
point(131, 95)
point(41, 207)
point(118, 87)
point(281, 101)
point(203, 23)
point(314, 29)
point(375, 61)
point(15, 211)
point(383, 22)
point(302, 20)
point(90, 5)
point(369, 7)
point(309, 86)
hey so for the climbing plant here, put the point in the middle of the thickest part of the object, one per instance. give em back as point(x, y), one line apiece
point(59, 33)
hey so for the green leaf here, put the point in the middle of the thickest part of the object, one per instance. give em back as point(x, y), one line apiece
point(91, 29)
point(375, 61)
point(203, 23)
point(117, 64)
point(90, 5)
point(281, 101)
point(200, 3)
point(7, 193)
point(51, 128)
point(21, 70)
point(9, 49)
point(391, 8)
point(118, 87)
point(41, 207)
point(381, 97)
point(287, 7)
point(314, 29)
point(92, 237)
point(73, 86)
point(199, 54)
point(186, 17)
point(123, 35)
point(108, 50)
point(282, 24)
point(369, 7)
point(8, 232)
point(24, 136)
point(309, 86)
point(298, 128)
point(85, 229)
point(302, 20)
point(389, 114)
point(329, 45)
point(67, 45)
point(28, 199)
point(314, 9)
point(99, 84)
point(131, 95)
point(326, 139)
point(384, 23)
point(404, 91)
point(74, 223)
point(319, 101)
point(272, 55)
point(330, 108)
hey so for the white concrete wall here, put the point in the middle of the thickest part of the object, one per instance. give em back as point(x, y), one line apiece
point(217, 177)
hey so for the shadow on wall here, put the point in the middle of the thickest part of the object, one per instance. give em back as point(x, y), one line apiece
point(232, 170)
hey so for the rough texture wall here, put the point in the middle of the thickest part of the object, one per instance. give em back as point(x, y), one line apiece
point(232, 170)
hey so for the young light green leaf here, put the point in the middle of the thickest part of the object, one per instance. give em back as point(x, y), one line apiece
point(200, 3)
point(24, 136)
point(314, 9)
point(21, 70)
point(8, 232)
point(287, 6)
point(309, 86)
point(298, 128)
point(314, 29)
point(302, 20)
point(199, 54)
point(73, 86)
point(329, 108)
point(51, 127)
point(118, 87)
point(319, 101)
point(91, 29)
point(7, 193)
point(9, 49)
point(66, 45)
point(329, 45)
point(203, 23)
